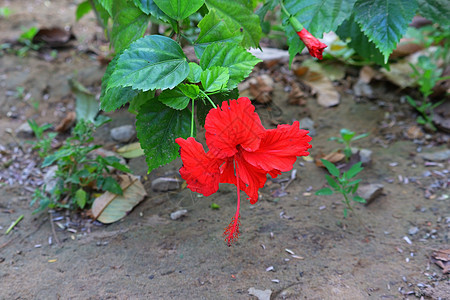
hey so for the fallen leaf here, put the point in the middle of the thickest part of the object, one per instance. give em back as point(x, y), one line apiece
point(86, 105)
point(109, 207)
point(67, 122)
point(405, 47)
point(366, 74)
point(261, 88)
point(55, 37)
point(414, 132)
point(296, 96)
point(333, 157)
point(132, 150)
point(327, 95)
point(442, 259)
point(399, 74)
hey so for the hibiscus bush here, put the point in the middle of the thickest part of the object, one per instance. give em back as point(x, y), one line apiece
point(172, 95)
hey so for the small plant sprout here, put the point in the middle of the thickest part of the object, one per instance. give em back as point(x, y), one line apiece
point(43, 144)
point(346, 138)
point(427, 74)
point(79, 173)
point(342, 183)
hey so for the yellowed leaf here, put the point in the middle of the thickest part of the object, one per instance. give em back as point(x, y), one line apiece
point(132, 150)
point(109, 207)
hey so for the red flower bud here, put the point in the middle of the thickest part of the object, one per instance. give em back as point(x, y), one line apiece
point(315, 46)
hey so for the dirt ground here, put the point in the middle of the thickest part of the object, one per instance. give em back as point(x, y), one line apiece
point(297, 245)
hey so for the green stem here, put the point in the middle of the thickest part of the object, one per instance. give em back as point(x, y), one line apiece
point(14, 224)
point(284, 10)
point(209, 99)
point(192, 119)
point(292, 20)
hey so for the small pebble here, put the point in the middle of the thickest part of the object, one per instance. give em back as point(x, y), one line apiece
point(271, 268)
point(38, 246)
point(275, 281)
point(407, 240)
point(289, 251)
point(322, 207)
point(413, 230)
point(123, 134)
point(178, 214)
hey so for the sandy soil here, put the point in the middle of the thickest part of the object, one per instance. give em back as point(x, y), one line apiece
point(149, 256)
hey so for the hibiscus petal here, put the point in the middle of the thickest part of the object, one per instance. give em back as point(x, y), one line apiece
point(231, 125)
point(251, 178)
point(279, 148)
point(200, 170)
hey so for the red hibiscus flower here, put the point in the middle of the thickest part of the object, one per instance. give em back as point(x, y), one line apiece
point(241, 152)
point(314, 46)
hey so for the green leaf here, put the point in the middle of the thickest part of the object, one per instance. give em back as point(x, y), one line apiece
point(107, 5)
point(214, 79)
point(129, 24)
point(359, 199)
point(240, 17)
point(157, 128)
point(56, 156)
point(354, 182)
point(332, 182)
point(238, 61)
point(29, 34)
point(317, 16)
point(86, 106)
point(194, 72)
point(115, 163)
point(437, 11)
point(175, 99)
point(265, 8)
point(331, 167)
point(385, 22)
point(324, 192)
point(214, 29)
point(103, 13)
point(82, 9)
point(346, 134)
point(345, 212)
point(81, 198)
point(355, 169)
point(115, 97)
point(149, 7)
point(179, 9)
point(152, 62)
point(349, 29)
point(203, 107)
point(360, 136)
point(140, 100)
point(109, 184)
point(191, 91)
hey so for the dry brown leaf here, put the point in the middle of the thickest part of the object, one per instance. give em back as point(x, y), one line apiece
point(296, 96)
point(414, 132)
point(261, 88)
point(322, 86)
point(442, 259)
point(67, 122)
point(54, 37)
point(405, 47)
point(333, 157)
point(366, 74)
point(109, 207)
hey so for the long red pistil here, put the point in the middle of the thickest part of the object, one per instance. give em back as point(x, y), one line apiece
point(231, 233)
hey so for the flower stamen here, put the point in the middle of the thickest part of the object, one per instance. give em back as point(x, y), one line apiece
point(232, 233)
